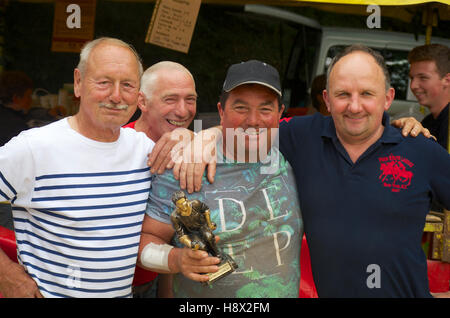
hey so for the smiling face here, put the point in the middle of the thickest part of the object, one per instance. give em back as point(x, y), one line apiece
point(357, 97)
point(172, 102)
point(250, 111)
point(108, 90)
point(428, 86)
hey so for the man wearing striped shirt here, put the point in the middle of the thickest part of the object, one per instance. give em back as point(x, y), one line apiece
point(79, 187)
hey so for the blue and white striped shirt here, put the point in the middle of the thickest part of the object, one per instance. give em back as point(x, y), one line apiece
point(78, 207)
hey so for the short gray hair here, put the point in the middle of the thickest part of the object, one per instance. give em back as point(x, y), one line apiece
point(87, 48)
point(379, 59)
point(151, 75)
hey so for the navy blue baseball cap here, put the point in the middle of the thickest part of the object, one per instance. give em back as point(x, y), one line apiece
point(252, 72)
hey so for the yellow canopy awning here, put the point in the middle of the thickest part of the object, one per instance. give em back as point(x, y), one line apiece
point(354, 2)
point(295, 2)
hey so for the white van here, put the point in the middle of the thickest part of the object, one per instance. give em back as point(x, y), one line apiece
point(315, 46)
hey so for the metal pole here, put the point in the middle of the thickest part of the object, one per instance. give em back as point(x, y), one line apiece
point(3, 4)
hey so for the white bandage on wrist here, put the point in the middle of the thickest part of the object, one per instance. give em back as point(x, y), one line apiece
point(156, 256)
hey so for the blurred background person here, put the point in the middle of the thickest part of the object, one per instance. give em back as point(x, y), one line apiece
point(318, 85)
point(430, 83)
point(16, 89)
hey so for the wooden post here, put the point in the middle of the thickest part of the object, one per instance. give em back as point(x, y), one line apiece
point(446, 237)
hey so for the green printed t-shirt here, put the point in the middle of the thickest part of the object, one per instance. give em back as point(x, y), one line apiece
point(259, 224)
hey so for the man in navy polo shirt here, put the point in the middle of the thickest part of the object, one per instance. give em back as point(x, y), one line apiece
point(364, 189)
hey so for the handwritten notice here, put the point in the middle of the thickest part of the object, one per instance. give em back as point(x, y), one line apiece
point(173, 23)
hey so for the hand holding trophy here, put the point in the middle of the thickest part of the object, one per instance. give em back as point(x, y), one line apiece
point(193, 227)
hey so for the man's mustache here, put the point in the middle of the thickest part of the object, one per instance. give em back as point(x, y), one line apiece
point(113, 106)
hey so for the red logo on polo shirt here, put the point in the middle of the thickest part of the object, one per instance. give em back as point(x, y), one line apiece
point(395, 172)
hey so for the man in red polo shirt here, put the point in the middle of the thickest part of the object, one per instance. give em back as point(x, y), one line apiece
point(167, 101)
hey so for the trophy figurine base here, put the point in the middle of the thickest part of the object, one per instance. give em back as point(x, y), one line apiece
point(226, 267)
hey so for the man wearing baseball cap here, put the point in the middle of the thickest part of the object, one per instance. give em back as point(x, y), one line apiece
point(252, 72)
point(253, 200)
point(366, 207)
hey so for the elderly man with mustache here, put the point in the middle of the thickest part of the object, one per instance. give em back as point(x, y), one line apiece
point(79, 187)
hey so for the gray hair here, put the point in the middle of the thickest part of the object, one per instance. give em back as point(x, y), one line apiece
point(151, 75)
point(87, 48)
point(379, 59)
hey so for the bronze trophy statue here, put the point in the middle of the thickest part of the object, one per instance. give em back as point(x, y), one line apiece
point(194, 229)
